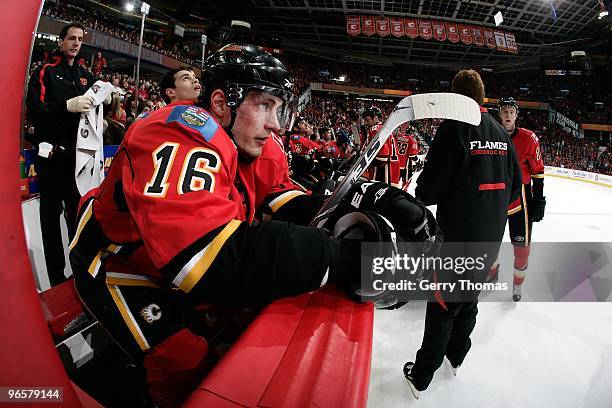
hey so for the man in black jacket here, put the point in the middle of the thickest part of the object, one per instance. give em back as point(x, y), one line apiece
point(472, 174)
point(55, 102)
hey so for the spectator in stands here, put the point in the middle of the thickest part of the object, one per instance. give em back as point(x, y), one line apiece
point(54, 108)
point(99, 64)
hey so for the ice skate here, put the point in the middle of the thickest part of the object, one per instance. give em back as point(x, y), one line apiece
point(451, 367)
point(516, 292)
point(408, 374)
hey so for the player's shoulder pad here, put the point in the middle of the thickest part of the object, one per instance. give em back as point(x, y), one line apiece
point(195, 118)
point(528, 134)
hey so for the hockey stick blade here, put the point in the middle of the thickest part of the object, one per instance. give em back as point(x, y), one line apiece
point(422, 106)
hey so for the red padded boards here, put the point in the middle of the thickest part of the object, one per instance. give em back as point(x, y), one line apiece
point(309, 350)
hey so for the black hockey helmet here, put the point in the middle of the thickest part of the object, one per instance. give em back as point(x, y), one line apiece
point(240, 68)
point(508, 102)
point(372, 111)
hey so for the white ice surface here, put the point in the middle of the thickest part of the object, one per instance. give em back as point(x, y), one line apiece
point(553, 355)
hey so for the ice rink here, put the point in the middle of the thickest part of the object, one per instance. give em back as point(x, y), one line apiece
point(532, 355)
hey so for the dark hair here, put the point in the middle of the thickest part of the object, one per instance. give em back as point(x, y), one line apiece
point(168, 82)
point(468, 82)
point(67, 27)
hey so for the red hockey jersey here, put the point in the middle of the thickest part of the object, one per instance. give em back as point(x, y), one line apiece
point(529, 154)
point(302, 145)
point(407, 146)
point(331, 149)
point(385, 166)
point(174, 194)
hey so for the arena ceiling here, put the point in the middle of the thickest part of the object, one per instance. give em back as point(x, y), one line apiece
point(318, 27)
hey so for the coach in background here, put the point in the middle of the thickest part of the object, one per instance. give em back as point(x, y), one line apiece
point(55, 101)
point(472, 174)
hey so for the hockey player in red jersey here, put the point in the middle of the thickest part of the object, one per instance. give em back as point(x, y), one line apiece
point(530, 205)
point(407, 152)
point(329, 147)
point(179, 220)
point(385, 166)
point(299, 141)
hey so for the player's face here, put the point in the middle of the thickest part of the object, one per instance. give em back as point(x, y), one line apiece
point(256, 118)
point(305, 128)
point(71, 44)
point(186, 87)
point(508, 117)
point(370, 120)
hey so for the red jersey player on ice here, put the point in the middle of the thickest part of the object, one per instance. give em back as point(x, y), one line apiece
point(407, 152)
point(385, 166)
point(529, 207)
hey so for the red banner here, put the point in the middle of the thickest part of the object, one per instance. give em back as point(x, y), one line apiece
point(382, 26)
point(452, 33)
point(411, 27)
point(466, 36)
point(397, 26)
point(353, 25)
point(489, 37)
point(511, 43)
point(425, 29)
point(500, 41)
point(477, 36)
point(367, 25)
point(439, 32)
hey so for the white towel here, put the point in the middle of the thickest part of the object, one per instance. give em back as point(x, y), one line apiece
point(89, 170)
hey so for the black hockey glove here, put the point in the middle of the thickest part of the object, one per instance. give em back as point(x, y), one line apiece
point(536, 207)
point(411, 219)
point(356, 263)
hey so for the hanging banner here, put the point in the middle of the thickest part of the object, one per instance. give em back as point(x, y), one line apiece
point(411, 27)
point(466, 36)
point(477, 36)
point(397, 26)
point(382, 26)
point(367, 25)
point(500, 41)
point(439, 31)
point(353, 25)
point(425, 29)
point(511, 43)
point(452, 33)
point(489, 37)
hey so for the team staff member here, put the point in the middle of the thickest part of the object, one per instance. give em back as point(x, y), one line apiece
point(472, 174)
point(175, 221)
point(55, 101)
point(529, 207)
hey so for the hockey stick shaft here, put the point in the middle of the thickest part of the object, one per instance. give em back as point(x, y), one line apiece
point(415, 107)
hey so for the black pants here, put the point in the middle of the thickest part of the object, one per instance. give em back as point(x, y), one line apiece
point(58, 194)
point(447, 332)
point(518, 223)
